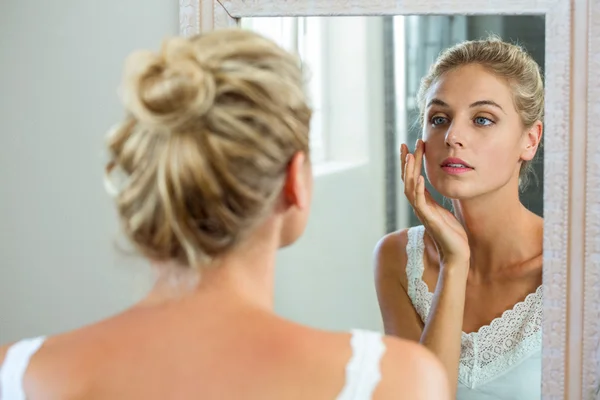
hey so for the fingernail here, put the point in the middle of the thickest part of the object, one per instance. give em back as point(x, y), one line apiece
point(417, 143)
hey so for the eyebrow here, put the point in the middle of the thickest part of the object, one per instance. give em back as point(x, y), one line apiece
point(441, 103)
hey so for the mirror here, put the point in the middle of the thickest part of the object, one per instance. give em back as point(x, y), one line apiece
point(363, 77)
point(570, 367)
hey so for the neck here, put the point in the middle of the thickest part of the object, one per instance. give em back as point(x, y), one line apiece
point(501, 231)
point(243, 276)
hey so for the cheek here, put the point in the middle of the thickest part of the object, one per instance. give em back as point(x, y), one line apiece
point(430, 167)
point(434, 151)
point(497, 155)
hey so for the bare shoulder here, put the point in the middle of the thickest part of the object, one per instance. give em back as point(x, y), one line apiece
point(411, 370)
point(65, 364)
point(392, 244)
point(408, 370)
point(390, 255)
point(3, 351)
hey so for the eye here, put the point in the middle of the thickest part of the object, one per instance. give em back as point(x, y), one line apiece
point(438, 120)
point(483, 121)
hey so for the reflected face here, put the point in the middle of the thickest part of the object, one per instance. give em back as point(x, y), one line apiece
point(474, 138)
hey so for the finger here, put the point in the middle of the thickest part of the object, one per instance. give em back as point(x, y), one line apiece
point(449, 218)
point(409, 179)
point(425, 212)
point(419, 156)
point(429, 197)
point(420, 200)
point(431, 201)
point(434, 206)
point(403, 153)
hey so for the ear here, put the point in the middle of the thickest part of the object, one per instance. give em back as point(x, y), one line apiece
point(532, 141)
point(295, 190)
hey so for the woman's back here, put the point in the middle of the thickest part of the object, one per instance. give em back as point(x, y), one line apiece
point(165, 351)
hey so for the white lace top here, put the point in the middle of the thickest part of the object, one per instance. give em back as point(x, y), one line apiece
point(362, 371)
point(500, 361)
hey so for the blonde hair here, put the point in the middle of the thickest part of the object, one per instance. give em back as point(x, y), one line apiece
point(506, 60)
point(212, 123)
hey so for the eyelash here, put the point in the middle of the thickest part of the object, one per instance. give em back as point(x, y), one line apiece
point(491, 122)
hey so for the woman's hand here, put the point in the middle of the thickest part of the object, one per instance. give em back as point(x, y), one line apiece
point(442, 226)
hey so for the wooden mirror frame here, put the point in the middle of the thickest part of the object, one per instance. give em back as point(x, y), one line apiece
point(571, 322)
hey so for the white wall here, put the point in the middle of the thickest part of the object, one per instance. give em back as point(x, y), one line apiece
point(60, 65)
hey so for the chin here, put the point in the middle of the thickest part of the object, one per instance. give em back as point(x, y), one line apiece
point(453, 190)
point(456, 195)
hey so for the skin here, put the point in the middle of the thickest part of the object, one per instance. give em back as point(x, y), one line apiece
point(487, 256)
point(220, 338)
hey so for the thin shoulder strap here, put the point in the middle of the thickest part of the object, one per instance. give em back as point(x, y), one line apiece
point(414, 258)
point(13, 369)
point(363, 371)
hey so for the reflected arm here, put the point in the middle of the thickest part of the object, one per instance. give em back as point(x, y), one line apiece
point(442, 331)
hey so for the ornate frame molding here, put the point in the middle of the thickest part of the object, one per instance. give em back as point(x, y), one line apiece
point(571, 353)
point(591, 290)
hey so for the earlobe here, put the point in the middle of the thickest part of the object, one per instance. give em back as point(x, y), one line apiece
point(529, 152)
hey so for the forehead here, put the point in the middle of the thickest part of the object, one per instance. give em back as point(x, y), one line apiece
point(471, 83)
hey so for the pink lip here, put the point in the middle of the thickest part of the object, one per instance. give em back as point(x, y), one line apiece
point(453, 170)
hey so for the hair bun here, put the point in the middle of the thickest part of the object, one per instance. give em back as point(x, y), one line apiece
point(169, 89)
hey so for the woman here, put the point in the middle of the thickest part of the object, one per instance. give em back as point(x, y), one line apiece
point(470, 288)
point(214, 178)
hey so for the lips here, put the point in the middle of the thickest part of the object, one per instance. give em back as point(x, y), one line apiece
point(452, 162)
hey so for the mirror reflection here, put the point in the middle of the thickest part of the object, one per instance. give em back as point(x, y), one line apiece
point(458, 255)
point(424, 37)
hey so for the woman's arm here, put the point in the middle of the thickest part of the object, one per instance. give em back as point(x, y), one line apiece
point(400, 318)
point(443, 328)
point(442, 331)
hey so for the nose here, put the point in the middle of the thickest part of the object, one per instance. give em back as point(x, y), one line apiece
point(453, 138)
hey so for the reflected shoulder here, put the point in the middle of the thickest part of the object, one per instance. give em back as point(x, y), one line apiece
point(390, 251)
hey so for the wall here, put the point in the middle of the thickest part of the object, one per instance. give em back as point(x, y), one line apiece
point(61, 63)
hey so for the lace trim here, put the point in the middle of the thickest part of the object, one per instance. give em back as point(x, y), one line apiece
point(495, 348)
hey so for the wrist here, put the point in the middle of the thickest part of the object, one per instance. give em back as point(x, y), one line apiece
point(455, 267)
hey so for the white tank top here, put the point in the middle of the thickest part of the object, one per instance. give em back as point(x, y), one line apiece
point(362, 371)
point(501, 361)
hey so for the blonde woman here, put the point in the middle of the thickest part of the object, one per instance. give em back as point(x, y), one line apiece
point(211, 177)
point(468, 284)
